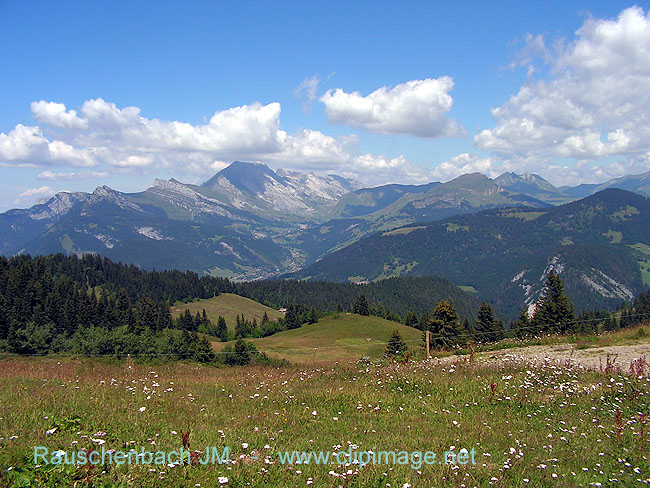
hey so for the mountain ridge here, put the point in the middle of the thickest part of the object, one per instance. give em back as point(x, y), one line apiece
point(250, 222)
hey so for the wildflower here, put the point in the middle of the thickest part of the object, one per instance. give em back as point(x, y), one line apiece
point(222, 480)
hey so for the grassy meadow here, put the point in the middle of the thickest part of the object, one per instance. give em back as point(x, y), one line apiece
point(542, 424)
point(342, 337)
point(228, 306)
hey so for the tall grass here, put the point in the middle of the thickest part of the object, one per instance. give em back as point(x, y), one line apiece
point(526, 422)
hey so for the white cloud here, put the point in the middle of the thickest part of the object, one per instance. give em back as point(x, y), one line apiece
point(49, 175)
point(118, 140)
point(465, 163)
point(43, 191)
point(417, 107)
point(55, 115)
point(592, 107)
point(27, 146)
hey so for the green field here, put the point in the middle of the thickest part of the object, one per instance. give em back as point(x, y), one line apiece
point(343, 338)
point(526, 429)
point(228, 306)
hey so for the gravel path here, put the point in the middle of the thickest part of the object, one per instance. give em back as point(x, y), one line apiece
point(590, 358)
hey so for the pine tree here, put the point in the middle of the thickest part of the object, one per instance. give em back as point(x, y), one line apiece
point(312, 318)
point(242, 356)
point(203, 351)
point(411, 320)
point(291, 319)
point(444, 326)
point(554, 311)
point(485, 324)
point(522, 326)
point(396, 346)
point(361, 306)
point(222, 329)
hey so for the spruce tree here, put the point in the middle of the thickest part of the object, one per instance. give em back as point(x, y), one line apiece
point(361, 305)
point(411, 320)
point(291, 319)
point(312, 318)
point(242, 356)
point(554, 311)
point(203, 351)
point(485, 324)
point(222, 329)
point(522, 326)
point(396, 346)
point(444, 326)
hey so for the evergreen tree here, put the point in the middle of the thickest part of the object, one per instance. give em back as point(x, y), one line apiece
point(554, 311)
point(222, 329)
point(444, 326)
point(396, 346)
point(185, 321)
point(241, 355)
point(312, 318)
point(411, 320)
point(361, 305)
point(485, 324)
point(203, 351)
point(423, 323)
point(522, 327)
point(291, 319)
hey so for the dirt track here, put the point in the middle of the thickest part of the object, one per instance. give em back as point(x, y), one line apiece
point(590, 358)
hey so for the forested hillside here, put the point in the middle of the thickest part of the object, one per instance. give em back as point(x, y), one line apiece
point(598, 244)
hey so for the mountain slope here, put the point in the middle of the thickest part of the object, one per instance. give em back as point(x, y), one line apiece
point(636, 183)
point(466, 194)
point(505, 254)
point(532, 185)
point(256, 187)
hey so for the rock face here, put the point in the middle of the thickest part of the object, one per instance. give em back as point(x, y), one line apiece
point(256, 187)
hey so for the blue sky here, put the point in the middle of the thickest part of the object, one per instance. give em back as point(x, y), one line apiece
point(391, 91)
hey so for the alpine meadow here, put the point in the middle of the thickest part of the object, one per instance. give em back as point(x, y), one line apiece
point(340, 245)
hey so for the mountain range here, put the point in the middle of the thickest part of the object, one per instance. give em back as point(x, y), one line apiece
point(250, 222)
point(600, 246)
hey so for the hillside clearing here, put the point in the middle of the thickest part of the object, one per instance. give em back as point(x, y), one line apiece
point(228, 306)
point(343, 338)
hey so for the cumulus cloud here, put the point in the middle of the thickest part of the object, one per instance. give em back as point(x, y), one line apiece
point(55, 115)
point(466, 163)
point(27, 146)
point(117, 140)
point(592, 107)
point(417, 107)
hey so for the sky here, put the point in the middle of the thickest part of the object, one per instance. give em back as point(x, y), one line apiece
point(119, 93)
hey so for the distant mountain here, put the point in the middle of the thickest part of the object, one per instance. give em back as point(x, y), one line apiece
point(534, 186)
point(388, 207)
point(18, 226)
point(600, 245)
point(257, 188)
point(636, 183)
point(368, 200)
point(250, 222)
